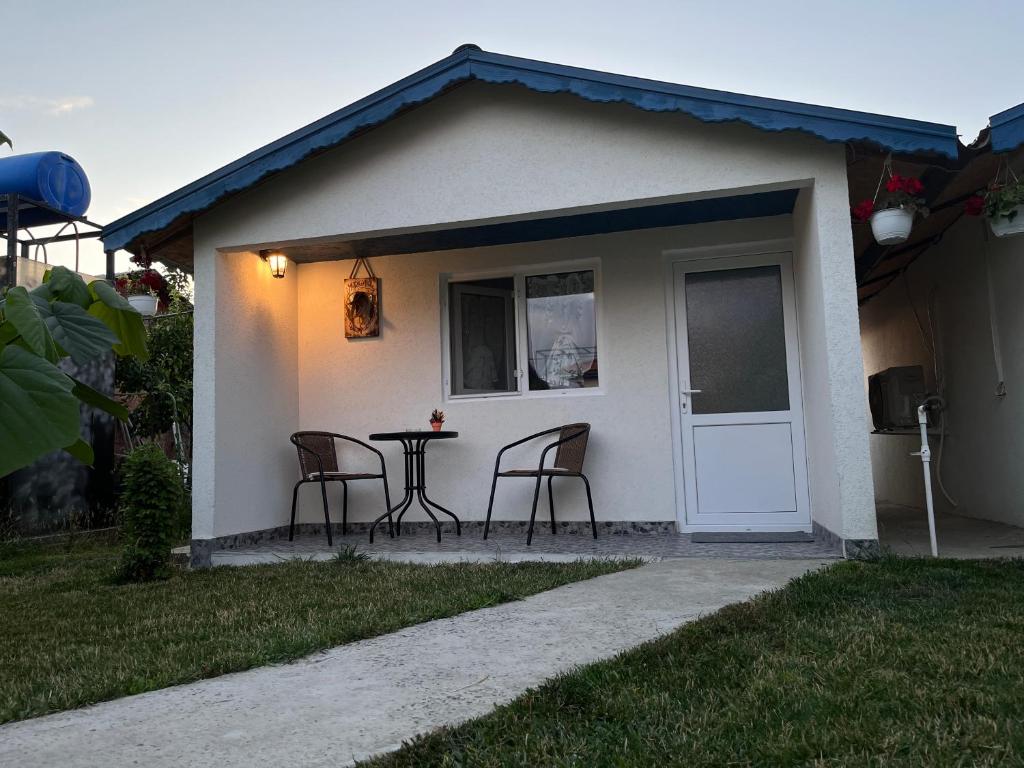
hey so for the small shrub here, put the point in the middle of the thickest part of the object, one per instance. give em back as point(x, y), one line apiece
point(151, 502)
point(348, 554)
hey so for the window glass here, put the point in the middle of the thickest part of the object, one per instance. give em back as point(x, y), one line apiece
point(562, 330)
point(482, 318)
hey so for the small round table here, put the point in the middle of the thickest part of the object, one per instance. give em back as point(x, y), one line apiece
point(414, 445)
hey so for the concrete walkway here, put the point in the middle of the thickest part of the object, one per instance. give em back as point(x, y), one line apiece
point(367, 697)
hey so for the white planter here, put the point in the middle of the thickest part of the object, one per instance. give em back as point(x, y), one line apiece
point(1002, 227)
point(145, 304)
point(891, 225)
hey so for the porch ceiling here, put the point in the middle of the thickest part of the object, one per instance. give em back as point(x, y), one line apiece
point(760, 204)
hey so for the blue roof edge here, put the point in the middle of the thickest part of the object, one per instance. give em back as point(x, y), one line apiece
point(1006, 129)
point(469, 63)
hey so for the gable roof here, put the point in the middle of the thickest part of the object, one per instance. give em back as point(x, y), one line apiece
point(468, 62)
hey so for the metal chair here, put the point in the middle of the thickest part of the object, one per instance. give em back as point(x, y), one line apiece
point(318, 462)
point(571, 449)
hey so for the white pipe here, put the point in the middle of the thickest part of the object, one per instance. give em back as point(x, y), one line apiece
point(926, 457)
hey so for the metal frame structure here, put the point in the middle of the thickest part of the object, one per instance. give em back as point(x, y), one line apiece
point(11, 205)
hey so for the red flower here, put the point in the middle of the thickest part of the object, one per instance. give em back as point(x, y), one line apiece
point(152, 279)
point(895, 183)
point(974, 205)
point(862, 211)
point(121, 284)
point(913, 186)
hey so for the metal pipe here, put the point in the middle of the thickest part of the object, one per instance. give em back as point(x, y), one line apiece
point(11, 272)
point(926, 458)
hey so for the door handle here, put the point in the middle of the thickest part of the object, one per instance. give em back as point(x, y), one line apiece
point(684, 398)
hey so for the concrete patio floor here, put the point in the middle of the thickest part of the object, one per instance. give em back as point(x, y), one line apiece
point(904, 531)
point(364, 698)
point(422, 547)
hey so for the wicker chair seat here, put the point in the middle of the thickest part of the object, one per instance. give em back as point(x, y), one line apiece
point(546, 472)
point(343, 476)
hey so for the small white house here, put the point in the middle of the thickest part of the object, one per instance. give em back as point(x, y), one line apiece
point(672, 265)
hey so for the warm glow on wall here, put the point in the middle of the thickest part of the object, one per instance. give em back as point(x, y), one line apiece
point(277, 262)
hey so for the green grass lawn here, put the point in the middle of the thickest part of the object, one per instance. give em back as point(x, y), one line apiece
point(69, 636)
point(897, 662)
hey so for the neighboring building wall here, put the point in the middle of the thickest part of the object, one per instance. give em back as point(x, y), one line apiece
point(245, 393)
point(834, 402)
point(981, 462)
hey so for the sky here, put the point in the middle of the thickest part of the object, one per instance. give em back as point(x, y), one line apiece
point(149, 96)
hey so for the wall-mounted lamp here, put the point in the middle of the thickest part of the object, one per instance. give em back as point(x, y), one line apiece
point(277, 262)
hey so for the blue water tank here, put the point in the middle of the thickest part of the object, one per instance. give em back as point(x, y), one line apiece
point(49, 177)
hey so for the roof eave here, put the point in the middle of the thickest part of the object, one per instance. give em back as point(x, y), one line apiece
point(831, 124)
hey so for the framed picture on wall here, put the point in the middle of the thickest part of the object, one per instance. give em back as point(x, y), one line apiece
point(362, 307)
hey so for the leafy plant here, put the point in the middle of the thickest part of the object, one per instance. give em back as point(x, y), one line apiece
point(900, 192)
point(348, 554)
point(151, 502)
point(144, 281)
point(165, 379)
point(998, 201)
point(62, 317)
point(437, 417)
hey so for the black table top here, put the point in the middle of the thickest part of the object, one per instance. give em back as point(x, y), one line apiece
point(419, 434)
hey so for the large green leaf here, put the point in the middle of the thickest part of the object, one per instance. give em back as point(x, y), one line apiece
point(24, 314)
point(101, 290)
point(63, 284)
point(112, 308)
point(39, 413)
point(82, 451)
point(79, 334)
point(90, 396)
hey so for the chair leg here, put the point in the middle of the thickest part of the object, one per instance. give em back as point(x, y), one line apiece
point(590, 503)
point(295, 499)
point(327, 513)
point(344, 508)
point(490, 505)
point(533, 511)
point(551, 505)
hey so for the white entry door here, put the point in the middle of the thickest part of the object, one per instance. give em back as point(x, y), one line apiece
point(740, 416)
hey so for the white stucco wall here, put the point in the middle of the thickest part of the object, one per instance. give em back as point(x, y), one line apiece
point(981, 465)
point(486, 153)
point(246, 393)
point(839, 473)
point(393, 382)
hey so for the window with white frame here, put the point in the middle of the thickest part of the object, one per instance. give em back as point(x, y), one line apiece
point(527, 332)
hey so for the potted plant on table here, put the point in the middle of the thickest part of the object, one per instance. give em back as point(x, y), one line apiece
point(892, 217)
point(1002, 203)
point(145, 288)
point(436, 420)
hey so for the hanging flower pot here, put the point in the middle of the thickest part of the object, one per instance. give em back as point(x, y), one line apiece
point(144, 303)
point(892, 217)
point(892, 225)
point(145, 288)
point(1010, 224)
point(1002, 203)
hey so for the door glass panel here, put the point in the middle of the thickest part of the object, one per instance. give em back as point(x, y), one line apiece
point(737, 340)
